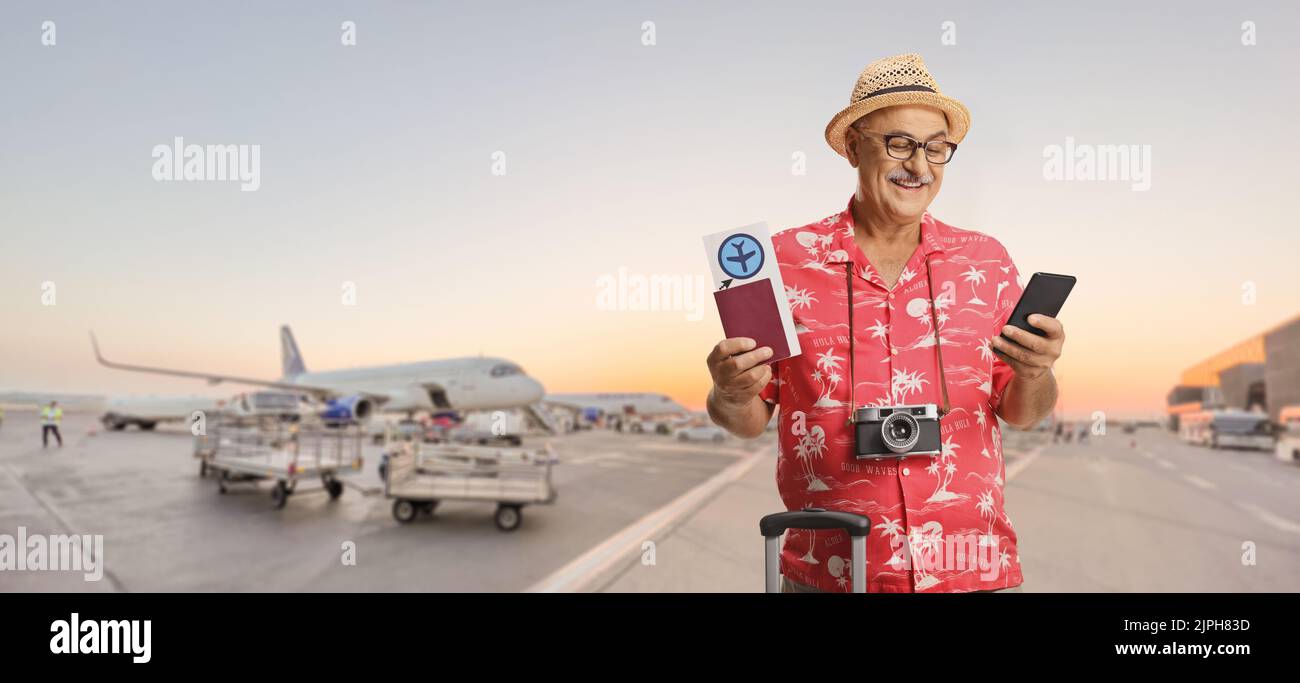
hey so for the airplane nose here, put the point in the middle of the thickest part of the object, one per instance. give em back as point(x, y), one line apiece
point(533, 390)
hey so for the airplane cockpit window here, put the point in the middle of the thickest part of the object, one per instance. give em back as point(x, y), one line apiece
point(506, 369)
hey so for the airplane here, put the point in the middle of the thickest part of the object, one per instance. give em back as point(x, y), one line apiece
point(741, 257)
point(632, 408)
point(456, 384)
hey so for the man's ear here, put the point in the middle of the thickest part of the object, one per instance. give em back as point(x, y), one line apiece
point(851, 147)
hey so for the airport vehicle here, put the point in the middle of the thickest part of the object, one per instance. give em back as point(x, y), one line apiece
point(145, 412)
point(702, 433)
point(237, 448)
point(635, 412)
point(420, 476)
point(469, 435)
point(774, 525)
point(281, 405)
point(671, 425)
point(483, 428)
point(1226, 428)
point(411, 430)
point(1288, 437)
point(356, 394)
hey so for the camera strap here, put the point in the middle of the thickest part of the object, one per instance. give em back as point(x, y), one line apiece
point(938, 352)
point(853, 386)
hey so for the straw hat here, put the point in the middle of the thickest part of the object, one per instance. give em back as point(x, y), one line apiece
point(891, 81)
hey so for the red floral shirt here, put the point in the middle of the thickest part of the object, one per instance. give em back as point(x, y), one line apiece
point(937, 521)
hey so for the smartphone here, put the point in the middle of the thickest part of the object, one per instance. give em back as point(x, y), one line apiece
point(1045, 295)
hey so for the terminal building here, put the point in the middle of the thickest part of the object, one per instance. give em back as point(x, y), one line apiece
point(1261, 373)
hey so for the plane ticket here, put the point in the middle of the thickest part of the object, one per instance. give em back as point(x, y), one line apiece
point(749, 290)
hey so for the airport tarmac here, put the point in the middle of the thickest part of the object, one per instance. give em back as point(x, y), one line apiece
point(1157, 516)
point(1104, 516)
point(166, 529)
point(1141, 512)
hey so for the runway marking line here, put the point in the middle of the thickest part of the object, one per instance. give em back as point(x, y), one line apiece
point(578, 574)
point(1279, 523)
point(1020, 464)
point(1199, 482)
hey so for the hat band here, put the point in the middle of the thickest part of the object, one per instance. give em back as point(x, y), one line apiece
point(897, 88)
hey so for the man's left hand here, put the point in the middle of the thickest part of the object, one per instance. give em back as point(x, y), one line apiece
point(1031, 356)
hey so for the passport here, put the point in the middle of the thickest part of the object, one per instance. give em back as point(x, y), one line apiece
point(751, 310)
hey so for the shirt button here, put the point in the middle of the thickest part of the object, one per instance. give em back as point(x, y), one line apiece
point(891, 296)
point(893, 350)
point(906, 471)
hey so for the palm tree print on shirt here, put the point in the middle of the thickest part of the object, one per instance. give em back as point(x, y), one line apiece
point(980, 419)
point(811, 445)
point(926, 545)
point(944, 462)
point(987, 508)
point(819, 251)
point(986, 354)
point(905, 382)
point(827, 377)
point(799, 298)
point(891, 529)
point(974, 277)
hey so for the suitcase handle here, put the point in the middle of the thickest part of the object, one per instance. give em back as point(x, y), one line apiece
point(777, 523)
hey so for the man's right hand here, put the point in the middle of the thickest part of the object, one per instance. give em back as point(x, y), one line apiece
point(739, 373)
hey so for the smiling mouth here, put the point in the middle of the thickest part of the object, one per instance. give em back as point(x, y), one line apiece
point(908, 186)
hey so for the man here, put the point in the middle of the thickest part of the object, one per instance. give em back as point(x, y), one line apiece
point(938, 520)
point(51, 416)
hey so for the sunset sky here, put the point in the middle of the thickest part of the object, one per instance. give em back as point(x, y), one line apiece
point(377, 169)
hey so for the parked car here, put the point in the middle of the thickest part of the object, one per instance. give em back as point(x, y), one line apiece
point(712, 433)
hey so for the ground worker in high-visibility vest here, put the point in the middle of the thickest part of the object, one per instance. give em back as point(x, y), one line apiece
point(51, 416)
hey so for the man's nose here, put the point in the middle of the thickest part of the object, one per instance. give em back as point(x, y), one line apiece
point(917, 164)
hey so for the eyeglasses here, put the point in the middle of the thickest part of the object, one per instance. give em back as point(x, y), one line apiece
point(902, 147)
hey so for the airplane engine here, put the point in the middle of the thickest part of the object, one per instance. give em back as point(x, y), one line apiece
point(347, 410)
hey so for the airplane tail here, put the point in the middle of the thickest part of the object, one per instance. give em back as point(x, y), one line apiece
point(290, 357)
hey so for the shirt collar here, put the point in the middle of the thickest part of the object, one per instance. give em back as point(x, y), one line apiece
point(846, 248)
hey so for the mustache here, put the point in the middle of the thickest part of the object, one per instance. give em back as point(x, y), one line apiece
point(906, 176)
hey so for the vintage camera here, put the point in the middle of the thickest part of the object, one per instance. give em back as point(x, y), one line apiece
point(896, 431)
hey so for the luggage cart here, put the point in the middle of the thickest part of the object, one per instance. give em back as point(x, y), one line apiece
point(775, 524)
point(419, 476)
point(241, 449)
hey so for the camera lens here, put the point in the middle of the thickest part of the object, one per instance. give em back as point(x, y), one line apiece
point(899, 432)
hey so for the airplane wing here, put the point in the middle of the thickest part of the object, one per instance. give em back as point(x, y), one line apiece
point(322, 393)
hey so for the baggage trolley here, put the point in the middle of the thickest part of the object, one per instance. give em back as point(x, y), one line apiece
point(250, 449)
point(775, 524)
point(419, 476)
